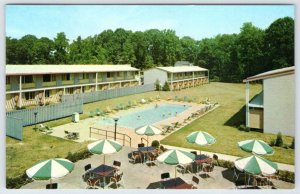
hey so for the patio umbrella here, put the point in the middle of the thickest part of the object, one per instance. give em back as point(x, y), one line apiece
point(174, 157)
point(148, 130)
point(201, 138)
point(104, 147)
point(256, 165)
point(49, 169)
point(256, 146)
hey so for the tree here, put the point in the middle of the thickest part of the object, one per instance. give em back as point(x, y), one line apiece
point(61, 46)
point(25, 50)
point(250, 48)
point(43, 49)
point(279, 43)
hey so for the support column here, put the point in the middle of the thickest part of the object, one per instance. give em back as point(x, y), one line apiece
point(193, 79)
point(247, 104)
point(139, 77)
point(208, 77)
point(20, 93)
point(96, 81)
point(44, 101)
point(172, 82)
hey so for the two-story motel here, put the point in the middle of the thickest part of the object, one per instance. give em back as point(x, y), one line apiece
point(30, 85)
point(178, 77)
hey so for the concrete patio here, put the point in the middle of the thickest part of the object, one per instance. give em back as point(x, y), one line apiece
point(139, 176)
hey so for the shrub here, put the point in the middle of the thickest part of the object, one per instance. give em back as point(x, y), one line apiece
point(292, 146)
point(247, 129)
point(157, 85)
point(285, 146)
point(155, 144)
point(242, 127)
point(166, 87)
point(272, 143)
point(279, 141)
point(74, 157)
point(17, 182)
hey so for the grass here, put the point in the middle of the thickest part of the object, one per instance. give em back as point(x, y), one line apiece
point(218, 123)
point(21, 155)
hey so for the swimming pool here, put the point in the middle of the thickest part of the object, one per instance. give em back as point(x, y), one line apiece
point(147, 116)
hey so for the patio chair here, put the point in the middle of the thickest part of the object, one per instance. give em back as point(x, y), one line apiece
point(87, 167)
point(116, 180)
point(93, 183)
point(140, 145)
point(195, 182)
point(52, 186)
point(184, 168)
point(165, 176)
point(208, 169)
point(135, 157)
point(216, 159)
point(117, 164)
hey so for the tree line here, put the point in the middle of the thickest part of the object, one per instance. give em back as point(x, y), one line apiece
point(229, 57)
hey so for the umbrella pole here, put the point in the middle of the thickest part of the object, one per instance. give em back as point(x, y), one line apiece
point(104, 159)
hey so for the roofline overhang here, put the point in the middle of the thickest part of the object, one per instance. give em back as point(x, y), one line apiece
point(260, 77)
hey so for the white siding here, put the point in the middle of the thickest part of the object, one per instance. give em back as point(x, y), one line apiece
point(279, 105)
point(151, 75)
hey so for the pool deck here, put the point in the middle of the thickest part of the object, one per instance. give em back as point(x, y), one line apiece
point(83, 126)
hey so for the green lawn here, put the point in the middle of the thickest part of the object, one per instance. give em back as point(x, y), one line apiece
point(231, 98)
point(35, 146)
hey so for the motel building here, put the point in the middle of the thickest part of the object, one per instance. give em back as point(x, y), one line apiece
point(272, 110)
point(31, 85)
point(178, 77)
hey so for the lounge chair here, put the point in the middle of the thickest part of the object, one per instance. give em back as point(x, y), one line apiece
point(92, 113)
point(176, 125)
point(108, 110)
point(195, 182)
point(69, 135)
point(99, 112)
point(167, 129)
point(42, 128)
point(48, 130)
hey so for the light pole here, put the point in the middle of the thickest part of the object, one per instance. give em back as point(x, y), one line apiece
point(35, 114)
point(116, 121)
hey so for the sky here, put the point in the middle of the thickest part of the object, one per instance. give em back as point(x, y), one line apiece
point(196, 21)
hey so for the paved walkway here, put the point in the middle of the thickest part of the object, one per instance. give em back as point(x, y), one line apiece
point(231, 158)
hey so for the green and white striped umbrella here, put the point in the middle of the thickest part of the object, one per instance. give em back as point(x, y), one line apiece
point(256, 165)
point(49, 169)
point(104, 147)
point(256, 146)
point(148, 130)
point(201, 138)
point(174, 157)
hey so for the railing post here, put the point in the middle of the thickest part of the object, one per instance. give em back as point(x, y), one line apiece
point(90, 132)
point(123, 139)
point(105, 134)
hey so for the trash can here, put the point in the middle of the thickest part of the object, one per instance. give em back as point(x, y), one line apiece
point(75, 117)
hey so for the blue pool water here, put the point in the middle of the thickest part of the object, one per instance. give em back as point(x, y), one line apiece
point(147, 116)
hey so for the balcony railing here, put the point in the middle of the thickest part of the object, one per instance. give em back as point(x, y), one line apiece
point(48, 84)
point(28, 85)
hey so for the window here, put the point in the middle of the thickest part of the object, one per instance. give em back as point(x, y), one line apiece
point(85, 76)
point(29, 95)
point(47, 78)
point(7, 80)
point(27, 79)
point(109, 74)
point(66, 77)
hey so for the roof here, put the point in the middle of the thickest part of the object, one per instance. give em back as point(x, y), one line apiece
point(179, 69)
point(270, 74)
point(57, 69)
